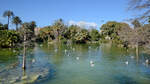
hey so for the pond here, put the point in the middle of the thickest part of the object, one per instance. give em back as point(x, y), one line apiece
point(74, 64)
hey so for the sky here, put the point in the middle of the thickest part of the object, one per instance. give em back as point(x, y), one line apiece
point(81, 12)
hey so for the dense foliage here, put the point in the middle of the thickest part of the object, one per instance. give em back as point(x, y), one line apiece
point(122, 33)
point(95, 35)
point(3, 26)
point(60, 32)
point(8, 38)
point(111, 30)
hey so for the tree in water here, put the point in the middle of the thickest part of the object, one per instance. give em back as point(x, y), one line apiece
point(25, 26)
point(8, 14)
point(29, 28)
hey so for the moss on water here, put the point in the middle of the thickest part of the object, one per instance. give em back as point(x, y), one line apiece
point(6, 54)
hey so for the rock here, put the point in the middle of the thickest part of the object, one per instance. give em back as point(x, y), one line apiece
point(12, 81)
point(24, 77)
point(15, 79)
point(33, 78)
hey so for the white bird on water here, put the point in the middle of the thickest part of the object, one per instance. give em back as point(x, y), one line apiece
point(126, 62)
point(33, 60)
point(92, 63)
point(77, 58)
point(147, 61)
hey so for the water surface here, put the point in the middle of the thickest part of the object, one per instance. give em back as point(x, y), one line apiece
point(78, 64)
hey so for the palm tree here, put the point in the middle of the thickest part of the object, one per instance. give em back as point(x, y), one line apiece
point(8, 14)
point(16, 21)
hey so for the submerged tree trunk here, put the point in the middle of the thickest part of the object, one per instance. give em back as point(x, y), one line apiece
point(137, 52)
point(24, 54)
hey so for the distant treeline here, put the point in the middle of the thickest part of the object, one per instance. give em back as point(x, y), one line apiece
point(119, 33)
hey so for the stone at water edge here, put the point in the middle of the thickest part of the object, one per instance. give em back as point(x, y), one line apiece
point(34, 78)
point(24, 77)
point(15, 79)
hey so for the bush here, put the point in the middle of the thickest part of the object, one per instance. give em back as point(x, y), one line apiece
point(8, 38)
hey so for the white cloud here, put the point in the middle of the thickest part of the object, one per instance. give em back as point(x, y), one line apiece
point(83, 24)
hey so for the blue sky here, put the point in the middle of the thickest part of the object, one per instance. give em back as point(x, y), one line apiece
point(45, 12)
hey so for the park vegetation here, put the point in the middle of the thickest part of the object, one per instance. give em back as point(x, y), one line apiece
point(120, 33)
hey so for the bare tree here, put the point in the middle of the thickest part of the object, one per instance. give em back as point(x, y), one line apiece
point(140, 5)
point(136, 23)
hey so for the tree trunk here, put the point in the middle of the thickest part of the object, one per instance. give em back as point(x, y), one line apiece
point(16, 27)
point(58, 37)
point(137, 52)
point(8, 23)
point(24, 54)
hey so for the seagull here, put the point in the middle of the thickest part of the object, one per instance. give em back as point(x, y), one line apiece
point(77, 58)
point(126, 62)
point(33, 60)
point(147, 61)
point(92, 63)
